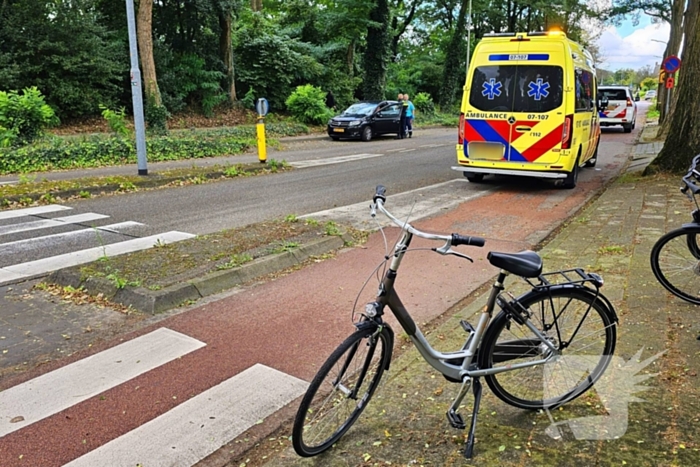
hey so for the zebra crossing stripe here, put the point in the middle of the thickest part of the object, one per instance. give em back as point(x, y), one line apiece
point(48, 223)
point(60, 389)
point(117, 228)
point(32, 211)
point(200, 426)
point(54, 263)
point(331, 160)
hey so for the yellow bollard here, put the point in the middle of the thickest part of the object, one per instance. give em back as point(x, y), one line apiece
point(262, 150)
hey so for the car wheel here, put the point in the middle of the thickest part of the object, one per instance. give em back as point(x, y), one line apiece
point(572, 178)
point(474, 178)
point(594, 159)
point(367, 133)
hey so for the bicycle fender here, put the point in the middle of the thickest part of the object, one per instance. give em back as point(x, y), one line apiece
point(596, 295)
point(386, 329)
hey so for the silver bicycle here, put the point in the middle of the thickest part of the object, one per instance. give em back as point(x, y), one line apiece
point(543, 349)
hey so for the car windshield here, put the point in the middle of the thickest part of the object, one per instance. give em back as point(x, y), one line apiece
point(613, 94)
point(517, 88)
point(361, 109)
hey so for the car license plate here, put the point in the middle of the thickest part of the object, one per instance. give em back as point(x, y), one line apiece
point(339, 130)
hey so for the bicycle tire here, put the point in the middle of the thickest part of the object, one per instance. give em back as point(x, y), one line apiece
point(346, 362)
point(675, 261)
point(583, 359)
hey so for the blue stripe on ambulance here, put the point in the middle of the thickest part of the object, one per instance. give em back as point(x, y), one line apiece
point(489, 134)
point(507, 57)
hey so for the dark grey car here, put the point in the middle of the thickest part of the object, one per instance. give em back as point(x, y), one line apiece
point(364, 120)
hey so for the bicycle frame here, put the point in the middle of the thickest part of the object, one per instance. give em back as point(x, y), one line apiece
point(387, 296)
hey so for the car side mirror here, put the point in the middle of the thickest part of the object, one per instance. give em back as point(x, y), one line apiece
point(603, 103)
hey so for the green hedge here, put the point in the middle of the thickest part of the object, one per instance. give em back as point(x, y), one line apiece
point(56, 153)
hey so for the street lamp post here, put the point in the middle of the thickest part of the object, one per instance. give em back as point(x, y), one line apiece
point(136, 95)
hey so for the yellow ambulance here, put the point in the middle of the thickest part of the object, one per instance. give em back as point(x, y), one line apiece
point(529, 108)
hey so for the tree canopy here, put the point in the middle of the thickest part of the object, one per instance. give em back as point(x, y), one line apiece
point(207, 52)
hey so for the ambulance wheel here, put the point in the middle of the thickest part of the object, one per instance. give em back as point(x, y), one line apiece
point(474, 178)
point(593, 160)
point(572, 177)
point(628, 128)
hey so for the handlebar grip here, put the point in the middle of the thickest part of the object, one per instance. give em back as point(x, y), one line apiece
point(458, 239)
point(380, 194)
point(689, 184)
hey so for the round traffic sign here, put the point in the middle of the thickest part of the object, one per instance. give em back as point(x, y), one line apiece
point(671, 64)
point(262, 106)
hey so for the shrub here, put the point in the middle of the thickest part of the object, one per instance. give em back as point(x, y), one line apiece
point(156, 117)
point(7, 137)
point(248, 100)
point(307, 104)
point(24, 116)
point(424, 103)
point(52, 153)
point(116, 119)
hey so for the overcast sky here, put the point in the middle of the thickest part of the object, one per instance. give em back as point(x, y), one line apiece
point(629, 46)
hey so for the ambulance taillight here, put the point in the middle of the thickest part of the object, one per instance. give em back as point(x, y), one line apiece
point(566, 132)
point(460, 131)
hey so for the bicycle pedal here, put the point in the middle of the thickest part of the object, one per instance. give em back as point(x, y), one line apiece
point(456, 420)
point(467, 326)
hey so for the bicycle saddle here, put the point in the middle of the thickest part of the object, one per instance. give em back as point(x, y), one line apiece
point(524, 264)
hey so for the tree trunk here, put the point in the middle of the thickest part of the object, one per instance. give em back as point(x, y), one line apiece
point(144, 22)
point(377, 52)
point(226, 51)
point(256, 5)
point(350, 58)
point(453, 73)
point(683, 140)
point(672, 47)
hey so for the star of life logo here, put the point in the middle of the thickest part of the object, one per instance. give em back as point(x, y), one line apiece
point(492, 89)
point(615, 388)
point(538, 89)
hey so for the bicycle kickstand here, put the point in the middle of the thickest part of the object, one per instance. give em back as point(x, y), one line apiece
point(469, 449)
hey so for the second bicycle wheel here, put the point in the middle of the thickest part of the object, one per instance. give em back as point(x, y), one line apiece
point(675, 261)
point(580, 327)
point(340, 391)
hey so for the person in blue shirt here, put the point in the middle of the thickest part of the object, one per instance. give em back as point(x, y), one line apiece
point(410, 110)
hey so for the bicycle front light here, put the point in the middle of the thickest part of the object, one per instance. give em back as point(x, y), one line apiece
point(372, 309)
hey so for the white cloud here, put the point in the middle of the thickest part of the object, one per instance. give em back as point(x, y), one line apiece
point(635, 50)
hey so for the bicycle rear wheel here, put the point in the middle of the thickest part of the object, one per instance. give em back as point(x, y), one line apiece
point(340, 391)
point(576, 323)
point(675, 261)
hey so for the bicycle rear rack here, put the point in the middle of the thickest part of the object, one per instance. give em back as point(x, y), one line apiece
point(574, 276)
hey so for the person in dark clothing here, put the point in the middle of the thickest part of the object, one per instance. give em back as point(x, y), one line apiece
point(330, 100)
point(402, 118)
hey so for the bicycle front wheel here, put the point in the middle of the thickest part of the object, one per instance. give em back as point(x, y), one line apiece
point(340, 391)
point(575, 323)
point(675, 261)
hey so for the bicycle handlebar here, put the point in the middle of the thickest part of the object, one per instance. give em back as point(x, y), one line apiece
point(450, 240)
point(690, 178)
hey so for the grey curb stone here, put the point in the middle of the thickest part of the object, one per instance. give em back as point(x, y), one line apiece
point(157, 301)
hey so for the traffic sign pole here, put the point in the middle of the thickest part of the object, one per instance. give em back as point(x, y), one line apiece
point(262, 108)
point(671, 64)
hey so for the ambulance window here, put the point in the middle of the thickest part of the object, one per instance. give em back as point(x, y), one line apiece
point(584, 90)
point(517, 88)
